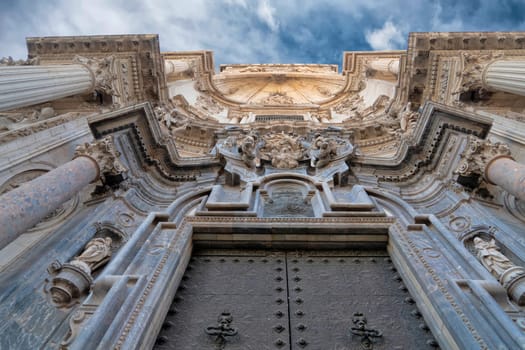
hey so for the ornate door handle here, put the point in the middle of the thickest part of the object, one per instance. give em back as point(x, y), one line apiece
point(367, 335)
point(222, 330)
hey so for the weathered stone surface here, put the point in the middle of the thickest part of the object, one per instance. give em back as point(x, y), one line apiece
point(267, 157)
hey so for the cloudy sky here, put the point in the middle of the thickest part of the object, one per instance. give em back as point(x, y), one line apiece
point(257, 31)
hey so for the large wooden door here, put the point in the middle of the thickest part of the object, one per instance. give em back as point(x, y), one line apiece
point(292, 300)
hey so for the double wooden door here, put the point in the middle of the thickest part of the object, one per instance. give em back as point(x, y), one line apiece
point(323, 300)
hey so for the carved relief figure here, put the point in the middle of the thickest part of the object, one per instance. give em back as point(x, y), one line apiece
point(283, 150)
point(408, 118)
point(490, 256)
point(322, 151)
point(173, 120)
point(247, 150)
point(96, 253)
point(278, 98)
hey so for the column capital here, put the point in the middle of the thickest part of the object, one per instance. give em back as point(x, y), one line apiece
point(103, 71)
point(479, 154)
point(474, 66)
point(104, 154)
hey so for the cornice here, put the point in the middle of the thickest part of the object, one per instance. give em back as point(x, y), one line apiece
point(154, 150)
point(421, 150)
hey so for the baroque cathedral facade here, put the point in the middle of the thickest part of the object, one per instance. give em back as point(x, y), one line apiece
point(148, 200)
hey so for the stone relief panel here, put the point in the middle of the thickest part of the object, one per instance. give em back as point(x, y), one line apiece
point(287, 198)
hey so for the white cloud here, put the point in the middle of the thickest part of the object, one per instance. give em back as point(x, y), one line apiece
point(244, 31)
point(266, 13)
point(389, 37)
point(241, 3)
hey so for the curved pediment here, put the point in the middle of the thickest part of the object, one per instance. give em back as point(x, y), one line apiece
point(271, 84)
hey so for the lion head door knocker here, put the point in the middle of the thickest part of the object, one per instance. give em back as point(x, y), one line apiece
point(222, 330)
point(367, 335)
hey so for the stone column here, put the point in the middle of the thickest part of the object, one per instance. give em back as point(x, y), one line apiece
point(505, 75)
point(386, 65)
point(508, 174)
point(25, 206)
point(494, 163)
point(175, 66)
point(22, 86)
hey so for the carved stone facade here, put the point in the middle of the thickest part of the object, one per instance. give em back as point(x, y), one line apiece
point(295, 191)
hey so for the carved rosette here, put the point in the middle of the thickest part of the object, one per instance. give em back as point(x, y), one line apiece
point(104, 154)
point(104, 74)
point(478, 155)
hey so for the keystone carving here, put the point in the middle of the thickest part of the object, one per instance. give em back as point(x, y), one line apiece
point(511, 276)
point(103, 71)
point(103, 152)
point(478, 155)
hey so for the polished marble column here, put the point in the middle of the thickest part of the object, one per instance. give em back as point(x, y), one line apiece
point(25, 206)
point(507, 173)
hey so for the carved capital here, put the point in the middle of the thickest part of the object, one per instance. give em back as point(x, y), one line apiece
point(473, 67)
point(103, 70)
point(478, 155)
point(103, 152)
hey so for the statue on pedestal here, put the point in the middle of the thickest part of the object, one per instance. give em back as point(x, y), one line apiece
point(510, 275)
